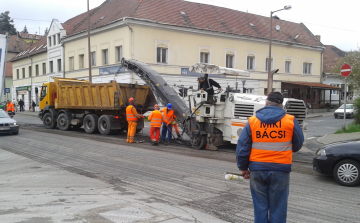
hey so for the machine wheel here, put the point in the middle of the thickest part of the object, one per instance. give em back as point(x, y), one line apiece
point(48, 121)
point(346, 172)
point(199, 142)
point(91, 123)
point(63, 122)
point(104, 125)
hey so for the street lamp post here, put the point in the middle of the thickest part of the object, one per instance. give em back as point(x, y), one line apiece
point(270, 74)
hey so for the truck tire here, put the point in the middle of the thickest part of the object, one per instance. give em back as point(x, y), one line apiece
point(91, 123)
point(104, 125)
point(63, 122)
point(48, 121)
point(199, 142)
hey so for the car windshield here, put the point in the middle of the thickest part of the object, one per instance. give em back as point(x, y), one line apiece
point(3, 114)
point(347, 106)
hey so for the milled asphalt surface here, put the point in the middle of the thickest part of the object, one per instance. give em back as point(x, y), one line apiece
point(33, 188)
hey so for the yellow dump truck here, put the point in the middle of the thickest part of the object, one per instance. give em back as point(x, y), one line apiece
point(71, 103)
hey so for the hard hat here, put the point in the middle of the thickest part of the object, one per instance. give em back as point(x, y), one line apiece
point(131, 99)
point(156, 106)
point(169, 106)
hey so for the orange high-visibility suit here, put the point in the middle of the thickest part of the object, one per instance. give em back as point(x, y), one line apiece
point(168, 118)
point(132, 117)
point(156, 120)
point(10, 107)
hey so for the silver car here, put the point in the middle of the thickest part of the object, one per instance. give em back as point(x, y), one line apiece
point(351, 111)
point(7, 124)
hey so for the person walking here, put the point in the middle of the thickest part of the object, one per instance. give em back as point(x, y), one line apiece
point(156, 120)
point(168, 118)
point(264, 155)
point(33, 104)
point(21, 103)
point(10, 108)
point(131, 116)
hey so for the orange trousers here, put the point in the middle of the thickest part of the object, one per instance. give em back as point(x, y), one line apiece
point(155, 133)
point(176, 129)
point(131, 131)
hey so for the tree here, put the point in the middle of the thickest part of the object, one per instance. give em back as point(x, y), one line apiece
point(353, 59)
point(7, 24)
point(25, 30)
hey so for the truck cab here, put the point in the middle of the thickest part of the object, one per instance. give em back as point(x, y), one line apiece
point(47, 95)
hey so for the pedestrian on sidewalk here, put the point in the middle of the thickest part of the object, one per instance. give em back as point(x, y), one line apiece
point(264, 155)
point(132, 117)
point(156, 120)
point(33, 104)
point(21, 103)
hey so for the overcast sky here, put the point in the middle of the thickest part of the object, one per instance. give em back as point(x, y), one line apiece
point(336, 22)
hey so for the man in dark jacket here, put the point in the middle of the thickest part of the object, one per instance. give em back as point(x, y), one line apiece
point(207, 84)
point(21, 104)
point(264, 154)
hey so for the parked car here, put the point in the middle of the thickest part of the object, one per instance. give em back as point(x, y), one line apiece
point(351, 111)
point(341, 160)
point(7, 124)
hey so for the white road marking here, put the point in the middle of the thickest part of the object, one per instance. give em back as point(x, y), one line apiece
point(311, 137)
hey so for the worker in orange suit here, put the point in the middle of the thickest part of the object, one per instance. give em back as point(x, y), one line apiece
point(131, 116)
point(175, 126)
point(10, 108)
point(156, 120)
point(168, 119)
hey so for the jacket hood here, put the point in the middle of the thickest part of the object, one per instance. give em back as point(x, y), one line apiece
point(270, 114)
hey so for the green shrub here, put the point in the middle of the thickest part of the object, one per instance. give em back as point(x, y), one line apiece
point(357, 106)
point(353, 127)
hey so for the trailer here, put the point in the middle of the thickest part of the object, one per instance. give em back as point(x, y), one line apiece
point(70, 103)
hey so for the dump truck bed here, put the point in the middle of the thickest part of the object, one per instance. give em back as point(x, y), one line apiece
point(81, 94)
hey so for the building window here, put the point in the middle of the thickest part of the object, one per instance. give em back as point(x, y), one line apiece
point(250, 90)
point(161, 55)
point(58, 38)
point(44, 68)
point(71, 63)
point(49, 40)
point(17, 74)
point(30, 36)
point(54, 40)
point(81, 61)
point(307, 68)
point(118, 52)
point(23, 73)
point(30, 71)
point(51, 66)
point(335, 92)
point(24, 36)
point(229, 60)
point(288, 66)
point(37, 70)
point(105, 56)
point(204, 57)
point(93, 58)
point(250, 62)
point(267, 65)
point(59, 65)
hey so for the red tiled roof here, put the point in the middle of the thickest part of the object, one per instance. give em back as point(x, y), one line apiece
point(35, 48)
point(17, 44)
point(198, 16)
point(70, 23)
point(8, 72)
point(313, 85)
point(332, 55)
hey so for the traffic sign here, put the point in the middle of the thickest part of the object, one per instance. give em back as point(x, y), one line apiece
point(345, 70)
point(7, 90)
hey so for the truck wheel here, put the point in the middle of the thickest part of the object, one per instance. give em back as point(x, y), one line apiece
point(91, 123)
point(63, 122)
point(48, 121)
point(105, 125)
point(199, 142)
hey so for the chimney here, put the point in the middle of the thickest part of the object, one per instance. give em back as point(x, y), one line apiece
point(318, 37)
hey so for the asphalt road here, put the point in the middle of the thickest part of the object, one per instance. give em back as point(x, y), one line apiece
point(162, 178)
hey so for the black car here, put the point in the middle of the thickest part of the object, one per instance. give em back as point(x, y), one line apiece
point(342, 160)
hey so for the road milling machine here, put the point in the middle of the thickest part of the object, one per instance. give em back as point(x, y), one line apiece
point(209, 125)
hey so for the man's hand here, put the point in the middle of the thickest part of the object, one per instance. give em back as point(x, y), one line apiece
point(246, 174)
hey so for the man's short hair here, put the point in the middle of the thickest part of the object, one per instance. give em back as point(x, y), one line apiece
point(276, 97)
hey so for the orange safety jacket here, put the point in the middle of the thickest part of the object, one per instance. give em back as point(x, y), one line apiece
point(131, 114)
point(10, 107)
point(272, 143)
point(156, 118)
point(168, 116)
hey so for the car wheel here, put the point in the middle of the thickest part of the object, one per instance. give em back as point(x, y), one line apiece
point(90, 123)
point(346, 172)
point(48, 121)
